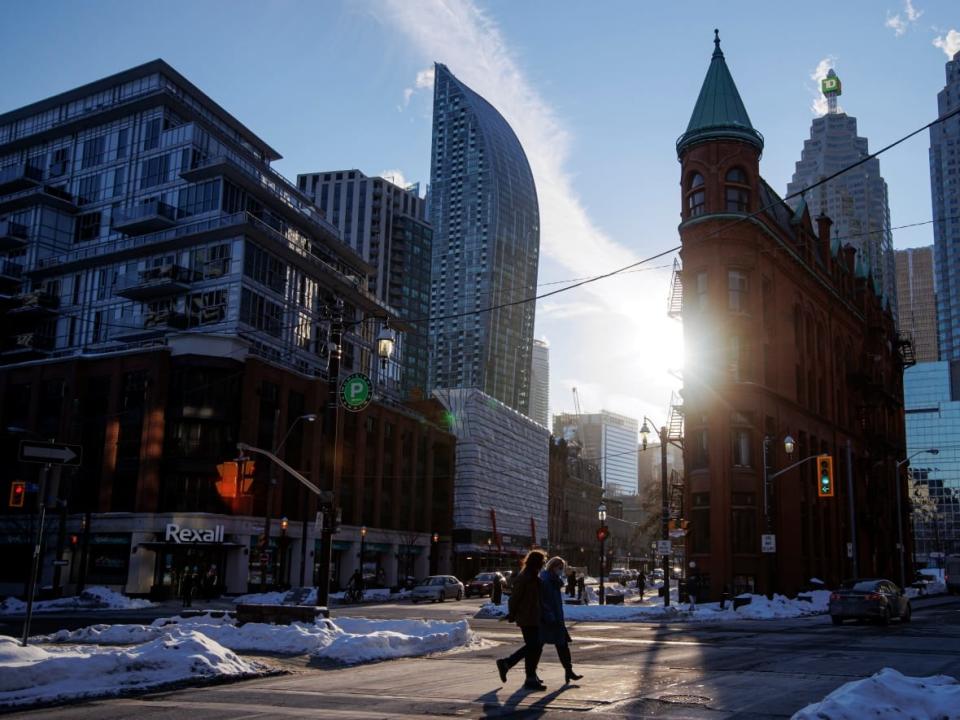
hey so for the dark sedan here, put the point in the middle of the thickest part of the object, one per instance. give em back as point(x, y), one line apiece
point(869, 599)
point(482, 584)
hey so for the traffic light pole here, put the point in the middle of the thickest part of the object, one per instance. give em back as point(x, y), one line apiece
point(331, 423)
point(35, 564)
point(853, 513)
point(665, 516)
point(768, 479)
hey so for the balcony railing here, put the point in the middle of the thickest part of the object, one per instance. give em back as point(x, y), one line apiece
point(13, 236)
point(10, 270)
point(29, 344)
point(154, 283)
point(155, 324)
point(19, 177)
point(34, 305)
point(147, 217)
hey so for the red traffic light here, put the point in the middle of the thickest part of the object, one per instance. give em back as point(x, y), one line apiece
point(74, 539)
point(602, 533)
point(18, 493)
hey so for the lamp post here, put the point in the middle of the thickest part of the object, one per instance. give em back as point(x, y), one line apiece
point(906, 461)
point(665, 501)
point(284, 524)
point(489, 552)
point(433, 553)
point(363, 547)
point(602, 537)
point(265, 543)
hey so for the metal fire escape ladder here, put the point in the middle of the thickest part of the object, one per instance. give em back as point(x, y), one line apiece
point(676, 494)
point(675, 303)
point(675, 422)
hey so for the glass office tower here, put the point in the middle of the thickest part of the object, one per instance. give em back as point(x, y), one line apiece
point(483, 208)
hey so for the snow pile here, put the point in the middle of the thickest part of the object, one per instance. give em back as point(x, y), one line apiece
point(41, 675)
point(94, 598)
point(887, 695)
point(652, 609)
point(310, 598)
point(344, 641)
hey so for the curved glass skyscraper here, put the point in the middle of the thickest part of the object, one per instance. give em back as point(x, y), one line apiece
point(483, 208)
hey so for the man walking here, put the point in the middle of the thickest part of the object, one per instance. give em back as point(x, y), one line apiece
point(524, 610)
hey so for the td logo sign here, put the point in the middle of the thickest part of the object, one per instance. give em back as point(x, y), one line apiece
point(356, 392)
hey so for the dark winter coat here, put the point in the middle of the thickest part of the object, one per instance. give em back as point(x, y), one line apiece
point(524, 606)
point(553, 631)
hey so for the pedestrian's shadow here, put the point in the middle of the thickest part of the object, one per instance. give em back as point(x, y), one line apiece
point(494, 707)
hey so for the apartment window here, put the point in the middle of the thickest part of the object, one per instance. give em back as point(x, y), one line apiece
point(737, 287)
point(207, 308)
point(741, 438)
point(88, 227)
point(123, 142)
point(743, 525)
point(264, 268)
point(702, 296)
point(151, 134)
point(696, 196)
point(258, 312)
point(93, 151)
point(61, 158)
point(737, 191)
point(119, 181)
point(197, 199)
point(701, 449)
point(88, 189)
point(154, 171)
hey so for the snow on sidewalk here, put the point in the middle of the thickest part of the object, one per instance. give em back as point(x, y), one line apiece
point(33, 675)
point(94, 598)
point(887, 695)
point(652, 609)
point(344, 641)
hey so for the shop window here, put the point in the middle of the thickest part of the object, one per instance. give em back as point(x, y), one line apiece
point(743, 525)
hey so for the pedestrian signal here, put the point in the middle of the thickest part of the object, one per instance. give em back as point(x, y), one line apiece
point(18, 493)
point(825, 476)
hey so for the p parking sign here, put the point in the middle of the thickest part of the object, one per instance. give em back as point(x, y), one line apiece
point(356, 392)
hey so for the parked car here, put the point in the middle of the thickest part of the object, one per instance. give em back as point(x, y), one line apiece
point(438, 588)
point(869, 598)
point(482, 584)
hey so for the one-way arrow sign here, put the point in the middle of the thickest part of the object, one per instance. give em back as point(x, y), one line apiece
point(50, 453)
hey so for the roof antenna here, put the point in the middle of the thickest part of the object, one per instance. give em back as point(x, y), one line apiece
point(716, 41)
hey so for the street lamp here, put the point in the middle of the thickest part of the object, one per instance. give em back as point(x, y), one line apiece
point(309, 417)
point(363, 546)
point(433, 553)
point(602, 537)
point(385, 345)
point(284, 524)
point(906, 461)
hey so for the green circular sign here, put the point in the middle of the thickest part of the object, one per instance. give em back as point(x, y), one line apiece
point(356, 392)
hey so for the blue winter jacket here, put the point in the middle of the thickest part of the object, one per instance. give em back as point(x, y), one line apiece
point(553, 631)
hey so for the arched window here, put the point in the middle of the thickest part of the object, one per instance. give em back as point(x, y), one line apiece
point(696, 196)
point(738, 191)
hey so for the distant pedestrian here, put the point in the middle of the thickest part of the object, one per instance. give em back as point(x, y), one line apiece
point(210, 583)
point(187, 587)
point(693, 590)
point(496, 594)
point(524, 610)
point(572, 584)
point(582, 590)
point(553, 629)
point(641, 583)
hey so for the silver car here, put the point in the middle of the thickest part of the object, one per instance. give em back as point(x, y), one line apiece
point(872, 598)
point(438, 588)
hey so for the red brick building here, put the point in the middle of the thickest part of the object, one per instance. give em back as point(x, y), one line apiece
point(785, 335)
point(155, 424)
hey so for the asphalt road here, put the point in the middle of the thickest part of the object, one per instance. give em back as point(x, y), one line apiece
point(744, 670)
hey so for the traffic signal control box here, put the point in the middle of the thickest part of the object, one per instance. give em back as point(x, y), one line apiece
point(824, 476)
point(18, 493)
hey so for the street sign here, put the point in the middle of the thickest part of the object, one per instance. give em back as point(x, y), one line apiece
point(61, 563)
point(50, 453)
point(768, 543)
point(678, 533)
point(356, 392)
point(664, 547)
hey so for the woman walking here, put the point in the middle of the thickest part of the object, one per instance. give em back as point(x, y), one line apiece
point(524, 610)
point(553, 629)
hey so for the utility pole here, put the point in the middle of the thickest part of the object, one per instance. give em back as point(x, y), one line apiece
point(271, 480)
point(665, 519)
point(37, 547)
point(331, 421)
point(853, 512)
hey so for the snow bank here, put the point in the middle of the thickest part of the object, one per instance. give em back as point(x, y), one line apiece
point(291, 597)
point(42, 674)
point(344, 641)
point(652, 609)
point(887, 695)
point(94, 598)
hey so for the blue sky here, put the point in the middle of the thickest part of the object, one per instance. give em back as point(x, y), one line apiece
point(597, 92)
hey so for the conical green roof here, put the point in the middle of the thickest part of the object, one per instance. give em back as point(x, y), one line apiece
point(719, 112)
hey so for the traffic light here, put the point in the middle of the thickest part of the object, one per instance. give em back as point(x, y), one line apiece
point(18, 493)
point(824, 476)
point(602, 533)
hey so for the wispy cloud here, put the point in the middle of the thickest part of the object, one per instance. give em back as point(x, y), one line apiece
point(461, 35)
point(949, 43)
point(901, 23)
point(424, 80)
point(819, 106)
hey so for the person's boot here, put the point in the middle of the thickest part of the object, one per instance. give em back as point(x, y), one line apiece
point(534, 683)
point(571, 675)
point(502, 668)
